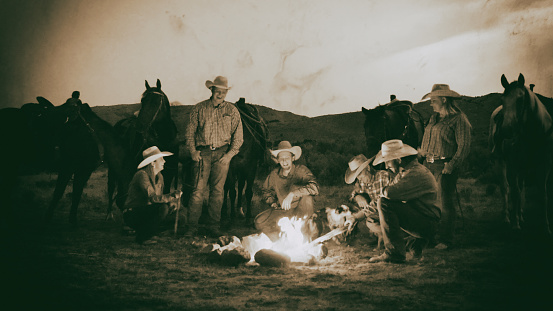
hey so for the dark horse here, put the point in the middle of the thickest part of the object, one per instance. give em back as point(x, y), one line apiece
point(521, 133)
point(243, 167)
point(79, 157)
point(120, 162)
point(152, 127)
point(395, 120)
point(29, 136)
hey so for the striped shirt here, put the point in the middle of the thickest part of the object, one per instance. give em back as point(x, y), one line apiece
point(214, 126)
point(448, 137)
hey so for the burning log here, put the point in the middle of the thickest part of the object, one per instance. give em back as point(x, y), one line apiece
point(271, 258)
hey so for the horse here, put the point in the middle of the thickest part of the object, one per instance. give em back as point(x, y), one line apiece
point(79, 157)
point(521, 135)
point(29, 136)
point(395, 120)
point(152, 127)
point(243, 167)
point(118, 158)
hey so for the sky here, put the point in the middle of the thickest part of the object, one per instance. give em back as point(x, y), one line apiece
point(312, 58)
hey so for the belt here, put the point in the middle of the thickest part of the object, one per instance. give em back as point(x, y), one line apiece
point(433, 158)
point(211, 147)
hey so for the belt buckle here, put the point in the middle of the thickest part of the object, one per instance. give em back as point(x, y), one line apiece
point(212, 148)
point(430, 159)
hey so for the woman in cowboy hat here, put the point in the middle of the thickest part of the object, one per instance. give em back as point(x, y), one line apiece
point(407, 204)
point(288, 190)
point(445, 145)
point(213, 137)
point(146, 205)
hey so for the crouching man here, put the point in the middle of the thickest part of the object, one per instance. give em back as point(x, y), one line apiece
point(146, 205)
point(288, 190)
point(408, 204)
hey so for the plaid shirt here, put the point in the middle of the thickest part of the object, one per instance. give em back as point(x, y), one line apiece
point(373, 185)
point(447, 137)
point(214, 126)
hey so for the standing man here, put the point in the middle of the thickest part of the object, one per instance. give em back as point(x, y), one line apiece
point(213, 136)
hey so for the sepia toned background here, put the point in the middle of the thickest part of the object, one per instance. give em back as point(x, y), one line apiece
point(308, 57)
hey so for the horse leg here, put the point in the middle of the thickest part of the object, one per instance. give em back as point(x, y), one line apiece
point(249, 196)
point(514, 206)
point(111, 192)
point(232, 197)
point(63, 179)
point(504, 190)
point(79, 182)
point(239, 205)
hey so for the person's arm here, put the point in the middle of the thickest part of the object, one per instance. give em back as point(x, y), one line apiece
point(308, 186)
point(411, 185)
point(190, 134)
point(268, 193)
point(462, 137)
point(237, 137)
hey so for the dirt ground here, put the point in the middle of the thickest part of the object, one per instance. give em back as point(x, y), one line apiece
point(96, 267)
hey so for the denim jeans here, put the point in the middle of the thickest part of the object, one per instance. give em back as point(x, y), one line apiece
point(397, 217)
point(446, 198)
point(210, 176)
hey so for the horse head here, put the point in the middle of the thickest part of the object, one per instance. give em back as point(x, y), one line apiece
point(523, 112)
point(390, 121)
point(154, 106)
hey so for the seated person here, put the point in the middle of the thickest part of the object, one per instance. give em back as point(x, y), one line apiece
point(146, 206)
point(408, 204)
point(288, 190)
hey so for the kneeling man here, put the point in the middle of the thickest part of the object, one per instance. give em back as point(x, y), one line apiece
point(289, 190)
point(408, 204)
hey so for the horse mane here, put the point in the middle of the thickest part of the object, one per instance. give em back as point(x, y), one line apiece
point(542, 113)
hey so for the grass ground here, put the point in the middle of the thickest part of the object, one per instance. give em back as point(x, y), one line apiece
point(96, 267)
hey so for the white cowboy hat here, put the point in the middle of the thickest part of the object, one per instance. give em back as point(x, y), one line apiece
point(393, 149)
point(355, 166)
point(151, 154)
point(286, 146)
point(220, 82)
point(441, 90)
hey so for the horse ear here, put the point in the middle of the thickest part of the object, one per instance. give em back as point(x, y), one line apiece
point(147, 85)
point(364, 110)
point(43, 101)
point(158, 84)
point(504, 81)
point(520, 79)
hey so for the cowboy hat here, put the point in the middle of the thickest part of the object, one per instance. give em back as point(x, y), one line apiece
point(441, 90)
point(286, 146)
point(220, 82)
point(355, 166)
point(151, 154)
point(393, 149)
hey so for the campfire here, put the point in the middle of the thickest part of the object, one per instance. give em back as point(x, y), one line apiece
point(291, 245)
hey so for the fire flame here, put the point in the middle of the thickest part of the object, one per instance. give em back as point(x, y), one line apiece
point(291, 242)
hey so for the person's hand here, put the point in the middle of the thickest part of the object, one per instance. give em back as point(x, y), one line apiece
point(350, 221)
point(361, 201)
point(225, 160)
point(176, 194)
point(287, 202)
point(447, 169)
point(196, 157)
point(274, 205)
